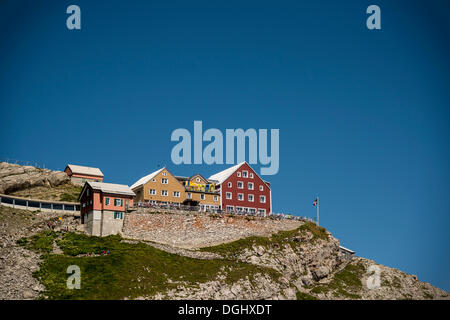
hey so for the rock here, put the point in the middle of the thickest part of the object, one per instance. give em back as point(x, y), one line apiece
point(15, 177)
point(28, 294)
point(320, 273)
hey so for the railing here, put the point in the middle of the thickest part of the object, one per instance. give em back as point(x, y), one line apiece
point(180, 207)
point(35, 204)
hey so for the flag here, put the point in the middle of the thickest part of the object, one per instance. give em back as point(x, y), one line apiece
point(316, 202)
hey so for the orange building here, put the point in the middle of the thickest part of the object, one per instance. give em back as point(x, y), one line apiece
point(159, 187)
point(103, 207)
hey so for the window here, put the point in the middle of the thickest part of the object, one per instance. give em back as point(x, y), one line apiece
point(152, 191)
point(164, 173)
point(118, 202)
point(189, 195)
point(164, 181)
point(240, 185)
point(202, 197)
point(261, 188)
point(251, 198)
point(250, 186)
point(153, 201)
point(263, 211)
point(153, 180)
point(216, 198)
point(251, 175)
point(176, 194)
point(107, 201)
point(118, 215)
point(244, 174)
point(164, 193)
point(228, 195)
point(238, 174)
point(198, 179)
point(230, 184)
point(230, 208)
point(87, 192)
point(239, 209)
point(252, 210)
point(240, 196)
point(262, 199)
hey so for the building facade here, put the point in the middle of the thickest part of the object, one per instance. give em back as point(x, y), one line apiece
point(159, 187)
point(80, 174)
point(201, 192)
point(243, 191)
point(103, 207)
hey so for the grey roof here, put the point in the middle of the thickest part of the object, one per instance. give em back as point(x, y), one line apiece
point(346, 249)
point(112, 188)
point(85, 170)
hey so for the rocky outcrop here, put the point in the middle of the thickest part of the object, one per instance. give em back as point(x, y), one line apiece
point(15, 177)
point(303, 262)
point(259, 287)
point(17, 264)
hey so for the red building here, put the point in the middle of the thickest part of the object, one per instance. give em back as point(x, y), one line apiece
point(242, 190)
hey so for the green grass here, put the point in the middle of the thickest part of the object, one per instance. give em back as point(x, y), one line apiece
point(131, 270)
point(41, 243)
point(305, 296)
point(317, 231)
point(348, 279)
point(276, 240)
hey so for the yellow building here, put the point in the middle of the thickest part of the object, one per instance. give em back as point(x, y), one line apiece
point(201, 192)
point(159, 187)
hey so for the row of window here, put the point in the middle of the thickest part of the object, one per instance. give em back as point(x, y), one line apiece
point(245, 174)
point(176, 194)
point(117, 202)
point(245, 209)
point(250, 185)
point(202, 196)
point(251, 197)
point(164, 193)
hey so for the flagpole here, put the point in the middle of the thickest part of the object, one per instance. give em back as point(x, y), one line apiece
point(317, 210)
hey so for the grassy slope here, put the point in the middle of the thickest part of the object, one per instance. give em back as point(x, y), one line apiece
point(130, 271)
point(64, 192)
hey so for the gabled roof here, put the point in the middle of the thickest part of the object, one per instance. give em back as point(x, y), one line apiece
point(113, 188)
point(85, 170)
point(199, 175)
point(223, 175)
point(146, 179)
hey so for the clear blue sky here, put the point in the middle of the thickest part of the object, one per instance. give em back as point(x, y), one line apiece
point(363, 115)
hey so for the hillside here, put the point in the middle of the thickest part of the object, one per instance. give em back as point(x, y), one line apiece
point(186, 260)
point(299, 264)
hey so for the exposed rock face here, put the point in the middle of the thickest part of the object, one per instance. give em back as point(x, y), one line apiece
point(17, 264)
point(193, 230)
point(303, 264)
point(261, 287)
point(15, 177)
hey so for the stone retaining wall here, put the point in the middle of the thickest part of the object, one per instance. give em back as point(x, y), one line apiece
point(194, 230)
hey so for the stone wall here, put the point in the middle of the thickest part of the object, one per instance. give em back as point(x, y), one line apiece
point(194, 230)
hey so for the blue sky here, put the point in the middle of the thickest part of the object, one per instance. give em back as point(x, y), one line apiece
point(363, 115)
